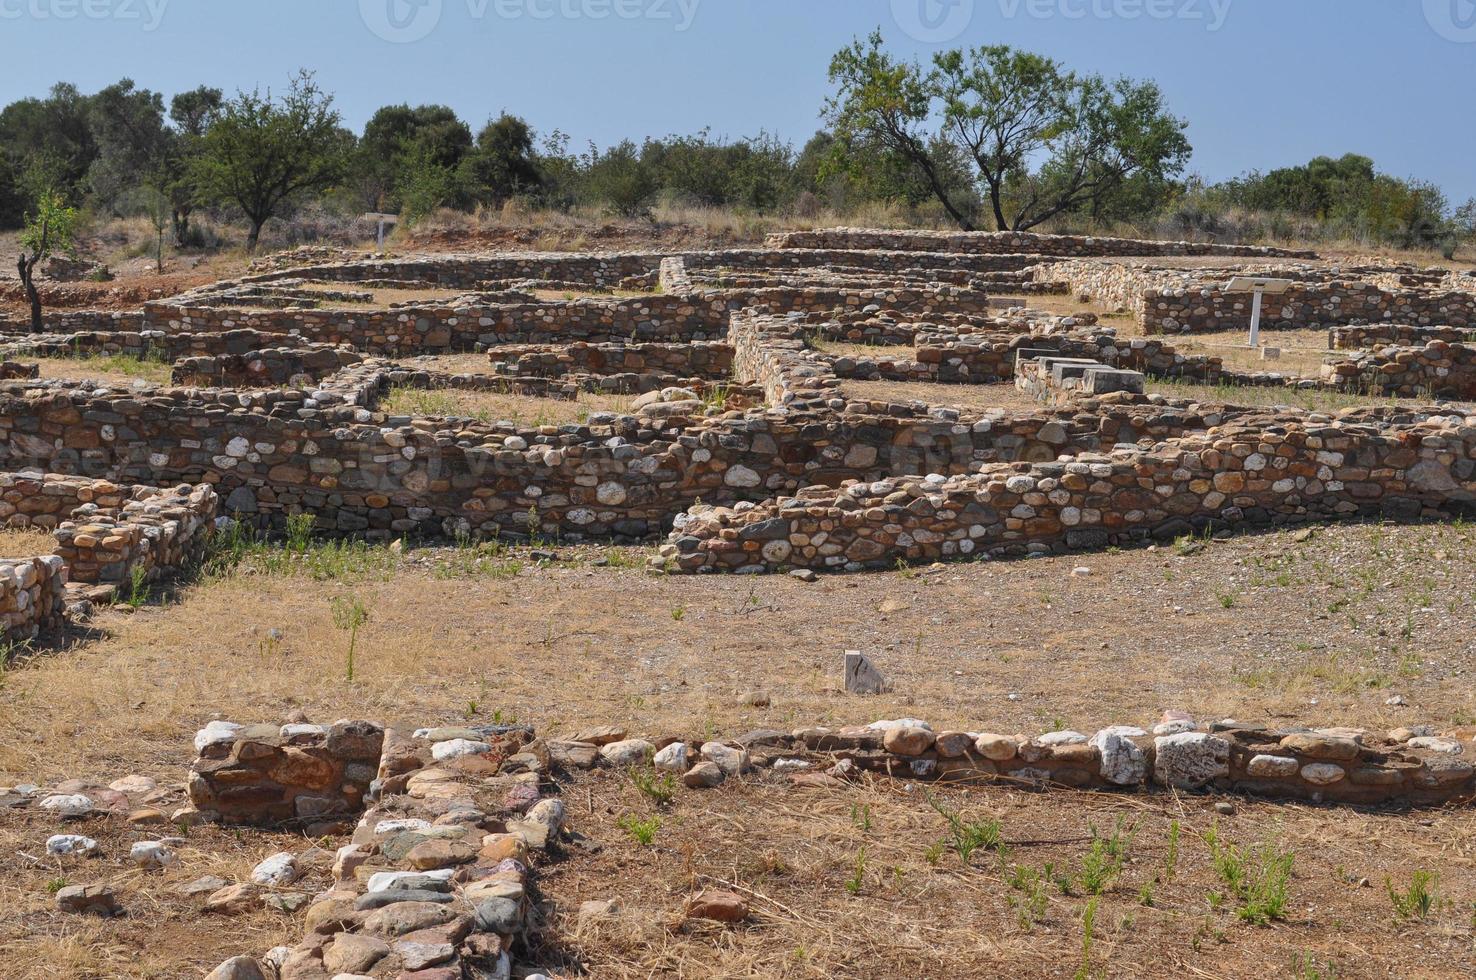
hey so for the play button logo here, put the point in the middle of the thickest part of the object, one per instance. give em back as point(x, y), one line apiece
point(1454, 20)
point(933, 21)
point(400, 21)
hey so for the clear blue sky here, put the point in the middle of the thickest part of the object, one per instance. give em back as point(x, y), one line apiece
point(1263, 82)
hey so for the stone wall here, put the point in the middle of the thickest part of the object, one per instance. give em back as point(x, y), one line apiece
point(32, 597)
point(269, 775)
point(161, 345)
point(73, 321)
point(1437, 369)
point(1309, 306)
point(1373, 335)
point(267, 367)
point(695, 360)
point(1005, 242)
point(431, 329)
point(158, 532)
point(1229, 475)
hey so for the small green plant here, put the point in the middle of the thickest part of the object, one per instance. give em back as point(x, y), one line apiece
point(643, 831)
point(55, 885)
point(660, 789)
point(1227, 601)
point(1259, 879)
point(933, 853)
point(1104, 860)
point(1031, 903)
point(966, 837)
point(299, 533)
point(1416, 901)
point(1171, 858)
point(350, 615)
point(138, 587)
point(1088, 930)
point(1304, 967)
point(861, 816)
point(678, 614)
point(858, 874)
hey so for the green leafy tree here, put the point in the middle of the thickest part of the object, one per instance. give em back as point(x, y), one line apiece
point(397, 140)
point(1043, 140)
point(619, 180)
point(132, 141)
point(50, 229)
point(262, 153)
point(52, 135)
point(504, 164)
point(192, 114)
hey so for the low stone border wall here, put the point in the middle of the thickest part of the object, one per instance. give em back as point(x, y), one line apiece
point(146, 344)
point(73, 321)
point(1437, 369)
point(1228, 476)
point(1209, 307)
point(32, 597)
point(435, 881)
point(269, 367)
point(311, 776)
point(996, 242)
point(1373, 335)
point(696, 360)
point(159, 531)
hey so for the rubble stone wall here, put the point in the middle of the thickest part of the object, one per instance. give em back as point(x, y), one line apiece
point(695, 360)
point(1437, 369)
point(1227, 476)
point(1373, 335)
point(267, 367)
point(272, 775)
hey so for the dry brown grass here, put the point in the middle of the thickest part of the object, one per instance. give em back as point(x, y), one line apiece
point(564, 645)
point(917, 910)
point(969, 398)
point(488, 406)
point(120, 370)
point(26, 542)
point(1319, 632)
point(162, 936)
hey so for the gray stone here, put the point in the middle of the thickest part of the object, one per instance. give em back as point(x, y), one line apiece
point(861, 676)
point(1190, 760)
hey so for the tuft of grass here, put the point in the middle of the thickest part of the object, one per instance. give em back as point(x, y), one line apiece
point(643, 831)
point(350, 615)
point(966, 837)
point(858, 874)
point(660, 789)
point(1259, 880)
point(1416, 901)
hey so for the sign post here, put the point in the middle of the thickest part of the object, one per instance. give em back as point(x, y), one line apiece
point(1259, 287)
point(385, 221)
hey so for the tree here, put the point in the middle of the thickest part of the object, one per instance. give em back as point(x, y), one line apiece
point(504, 164)
point(884, 103)
point(261, 153)
point(396, 140)
point(618, 179)
point(51, 229)
point(53, 135)
point(1044, 141)
point(192, 114)
point(133, 143)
